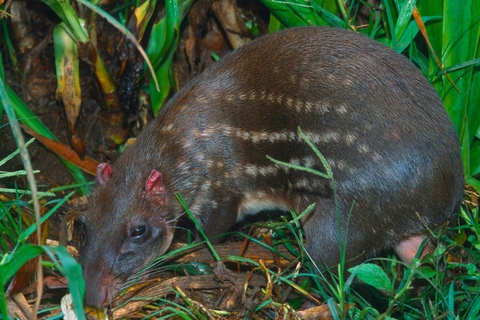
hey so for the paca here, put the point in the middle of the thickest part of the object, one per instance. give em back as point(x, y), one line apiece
point(391, 146)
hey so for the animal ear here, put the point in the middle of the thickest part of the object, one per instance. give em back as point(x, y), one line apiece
point(154, 183)
point(104, 173)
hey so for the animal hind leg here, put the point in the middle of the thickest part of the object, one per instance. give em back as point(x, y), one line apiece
point(408, 248)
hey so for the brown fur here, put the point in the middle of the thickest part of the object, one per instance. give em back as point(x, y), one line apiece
point(382, 128)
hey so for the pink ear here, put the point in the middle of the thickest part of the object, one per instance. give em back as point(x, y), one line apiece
point(104, 173)
point(154, 183)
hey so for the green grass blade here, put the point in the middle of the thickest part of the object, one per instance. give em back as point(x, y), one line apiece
point(33, 227)
point(391, 24)
point(475, 158)
point(199, 228)
point(65, 11)
point(73, 272)
point(404, 17)
point(294, 13)
point(328, 14)
point(461, 32)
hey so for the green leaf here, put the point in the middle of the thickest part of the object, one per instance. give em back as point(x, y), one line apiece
point(404, 17)
point(473, 182)
point(161, 48)
point(73, 272)
point(461, 33)
point(14, 261)
point(426, 272)
point(475, 158)
point(391, 24)
point(293, 13)
point(65, 11)
point(372, 275)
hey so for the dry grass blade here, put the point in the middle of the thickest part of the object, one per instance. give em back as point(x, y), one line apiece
point(423, 30)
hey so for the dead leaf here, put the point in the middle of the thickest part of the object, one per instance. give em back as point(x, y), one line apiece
point(88, 165)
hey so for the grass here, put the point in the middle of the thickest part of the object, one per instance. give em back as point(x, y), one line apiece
point(439, 36)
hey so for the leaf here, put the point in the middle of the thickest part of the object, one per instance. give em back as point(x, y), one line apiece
point(65, 11)
point(426, 272)
point(404, 17)
point(161, 48)
point(475, 158)
point(473, 182)
point(88, 165)
point(68, 78)
point(293, 14)
point(372, 275)
point(461, 33)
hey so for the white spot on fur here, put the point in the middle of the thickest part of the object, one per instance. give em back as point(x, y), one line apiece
point(303, 183)
point(268, 170)
point(322, 107)
point(350, 138)
point(183, 166)
point(262, 95)
point(186, 143)
point(206, 185)
point(280, 98)
point(309, 162)
point(308, 106)
point(289, 102)
point(200, 156)
point(363, 148)
point(376, 157)
point(206, 133)
point(329, 136)
point(168, 128)
point(342, 109)
point(295, 161)
point(255, 202)
point(331, 163)
point(209, 163)
point(251, 169)
point(341, 164)
point(228, 131)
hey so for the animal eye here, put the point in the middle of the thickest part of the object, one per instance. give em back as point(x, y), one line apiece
point(82, 230)
point(138, 232)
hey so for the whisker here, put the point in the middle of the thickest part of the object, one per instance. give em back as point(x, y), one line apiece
point(177, 217)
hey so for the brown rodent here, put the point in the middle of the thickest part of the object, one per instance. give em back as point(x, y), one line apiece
point(391, 146)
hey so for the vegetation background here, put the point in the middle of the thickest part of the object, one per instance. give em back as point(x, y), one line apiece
point(73, 75)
